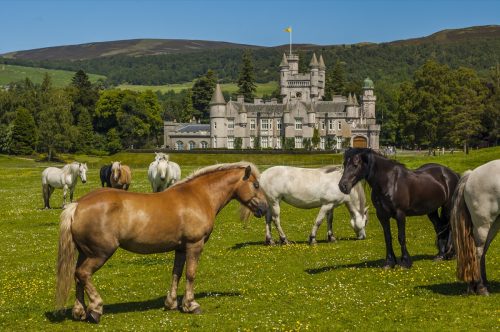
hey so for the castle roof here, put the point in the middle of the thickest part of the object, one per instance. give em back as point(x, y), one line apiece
point(284, 61)
point(350, 101)
point(217, 97)
point(195, 127)
point(355, 100)
point(321, 62)
point(314, 61)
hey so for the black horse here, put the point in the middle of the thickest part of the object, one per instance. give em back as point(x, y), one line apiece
point(105, 175)
point(398, 192)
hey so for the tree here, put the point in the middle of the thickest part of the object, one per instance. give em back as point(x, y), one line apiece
point(238, 143)
point(202, 91)
point(187, 109)
point(85, 141)
point(303, 62)
point(23, 133)
point(315, 139)
point(114, 144)
point(83, 94)
point(246, 79)
point(335, 82)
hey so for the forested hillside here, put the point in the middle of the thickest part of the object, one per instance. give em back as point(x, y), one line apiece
point(477, 48)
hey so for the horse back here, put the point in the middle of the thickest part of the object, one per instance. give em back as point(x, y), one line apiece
point(105, 175)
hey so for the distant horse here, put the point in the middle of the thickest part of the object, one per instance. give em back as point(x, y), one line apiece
point(163, 173)
point(475, 220)
point(105, 175)
point(65, 178)
point(121, 176)
point(180, 218)
point(308, 188)
point(398, 192)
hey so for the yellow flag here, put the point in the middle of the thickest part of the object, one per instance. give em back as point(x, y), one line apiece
point(289, 29)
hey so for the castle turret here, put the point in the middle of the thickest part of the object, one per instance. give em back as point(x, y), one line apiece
point(284, 75)
point(322, 77)
point(218, 118)
point(350, 107)
point(314, 65)
point(368, 99)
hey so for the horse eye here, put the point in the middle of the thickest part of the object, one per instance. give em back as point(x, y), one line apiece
point(256, 185)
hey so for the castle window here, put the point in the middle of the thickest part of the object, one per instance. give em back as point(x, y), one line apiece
point(278, 124)
point(215, 124)
point(214, 142)
point(192, 145)
point(179, 145)
point(298, 142)
point(204, 145)
point(340, 125)
point(278, 142)
point(330, 124)
point(322, 143)
point(230, 123)
point(251, 143)
point(298, 124)
point(264, 142)
point(230, 142)
point(322, 124)
point(265, 124)
point(252, 124)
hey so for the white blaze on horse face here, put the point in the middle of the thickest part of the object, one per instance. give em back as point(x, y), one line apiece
point(83, 172)
point(115, 169)
point(162, 169)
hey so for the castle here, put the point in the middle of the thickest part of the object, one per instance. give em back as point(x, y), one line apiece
point(340, 122)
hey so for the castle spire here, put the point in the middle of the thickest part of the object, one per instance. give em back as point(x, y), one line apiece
point(355, 101)
point(217, 97)
point(350, 102)
point(314, 61)
point(284, 61)
point(321, 63)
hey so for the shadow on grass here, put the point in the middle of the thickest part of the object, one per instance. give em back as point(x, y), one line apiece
point(135, 306)
point(277, 242)
point(367, 264)
point(457, 288)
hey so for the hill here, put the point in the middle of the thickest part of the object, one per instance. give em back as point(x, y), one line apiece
point(146, 62)
point(132, 47)
point(60, 78)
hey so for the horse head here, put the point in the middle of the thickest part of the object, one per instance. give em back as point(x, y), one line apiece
point(250, 194)
point(356, 167)
point(162, 168)
point(82, 169)
point(116, 170)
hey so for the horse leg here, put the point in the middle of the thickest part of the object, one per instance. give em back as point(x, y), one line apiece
point(84, 274)
point(329, 221)
point(319, 219)
point(390, 257)
point(65, 192)
point(71, 191)
point(442, 238)
point(79, 307)
point(193, 252)
point(45, 191)
point(405, 256)
point(275, 207)
point(171, 299)
point(482, 287)
point(269, 217)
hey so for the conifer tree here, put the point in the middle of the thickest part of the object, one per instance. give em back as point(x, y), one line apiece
point(187, 109)
point(203, 89)
point(246, 80)
point(85, 132)
point(23, 133)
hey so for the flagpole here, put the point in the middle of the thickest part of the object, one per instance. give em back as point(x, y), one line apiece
point(290, 42)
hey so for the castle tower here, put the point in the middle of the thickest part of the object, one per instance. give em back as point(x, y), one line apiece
point(284, 75)
point(322, 77)
point(218, 134)
point(368, 100)
point(314, 65)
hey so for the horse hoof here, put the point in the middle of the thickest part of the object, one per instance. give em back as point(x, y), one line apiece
point(94, 317)
point(439, 258)
point(269, 242)
point(312, 241)
point(196, 311)
point(482, 291)
point(388, 266)
point(331, 238)
point(284, 240)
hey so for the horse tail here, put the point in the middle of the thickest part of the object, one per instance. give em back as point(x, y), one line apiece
point(463, 237)
point(66, 256)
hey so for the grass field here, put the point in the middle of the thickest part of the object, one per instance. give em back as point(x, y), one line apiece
point(262, 88)
point(60, 78)
point(241, 284)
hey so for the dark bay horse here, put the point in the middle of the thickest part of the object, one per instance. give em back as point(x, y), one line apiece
point(180, 218)
point(398, 192)
point(105, 175)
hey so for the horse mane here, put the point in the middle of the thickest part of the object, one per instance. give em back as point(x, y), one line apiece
point(219, 167)
point(369, 153)
point(331, 168)
point(66, 168)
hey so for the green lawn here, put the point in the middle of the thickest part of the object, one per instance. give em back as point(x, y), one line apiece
point(241, 284)
point(60, 78)
point(262, 88)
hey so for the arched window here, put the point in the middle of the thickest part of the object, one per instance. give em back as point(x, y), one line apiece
point(179, 145)
point(192, 145)
point(204, 145)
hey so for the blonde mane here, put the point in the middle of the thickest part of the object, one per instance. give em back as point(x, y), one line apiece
point(219, 167)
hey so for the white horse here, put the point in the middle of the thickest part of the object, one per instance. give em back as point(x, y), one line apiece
point(65, 178)
point(163, 173)
point(475, 220)
point(308, 188)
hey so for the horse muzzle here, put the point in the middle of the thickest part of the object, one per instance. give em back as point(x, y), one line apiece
point(84, 181)
point(261, 210)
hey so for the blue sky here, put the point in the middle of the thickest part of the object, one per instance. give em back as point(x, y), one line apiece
point(28, 24)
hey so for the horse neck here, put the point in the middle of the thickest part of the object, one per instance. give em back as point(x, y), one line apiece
point(73, 173)
point(220, 187)
point(377, 167)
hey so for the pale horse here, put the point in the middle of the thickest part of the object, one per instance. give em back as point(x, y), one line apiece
point(308, 188)
point(475, 221)
point(163, 173)
point(65, 178)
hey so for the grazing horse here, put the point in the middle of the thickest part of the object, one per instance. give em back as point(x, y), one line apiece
point(180, 218)
point(105, 175)
point(163, 173)
point(475, 220)
point(309, 188)
point(121, 176)
point(65, 178)
point(398, 192)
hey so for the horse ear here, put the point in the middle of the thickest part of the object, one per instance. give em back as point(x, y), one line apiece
point(248, 171)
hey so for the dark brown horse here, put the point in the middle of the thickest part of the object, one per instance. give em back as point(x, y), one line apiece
point(398, 192)
point(180, 218)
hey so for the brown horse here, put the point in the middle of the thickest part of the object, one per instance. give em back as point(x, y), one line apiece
point(398, 192)
point(121, 176)
point(180, 218)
